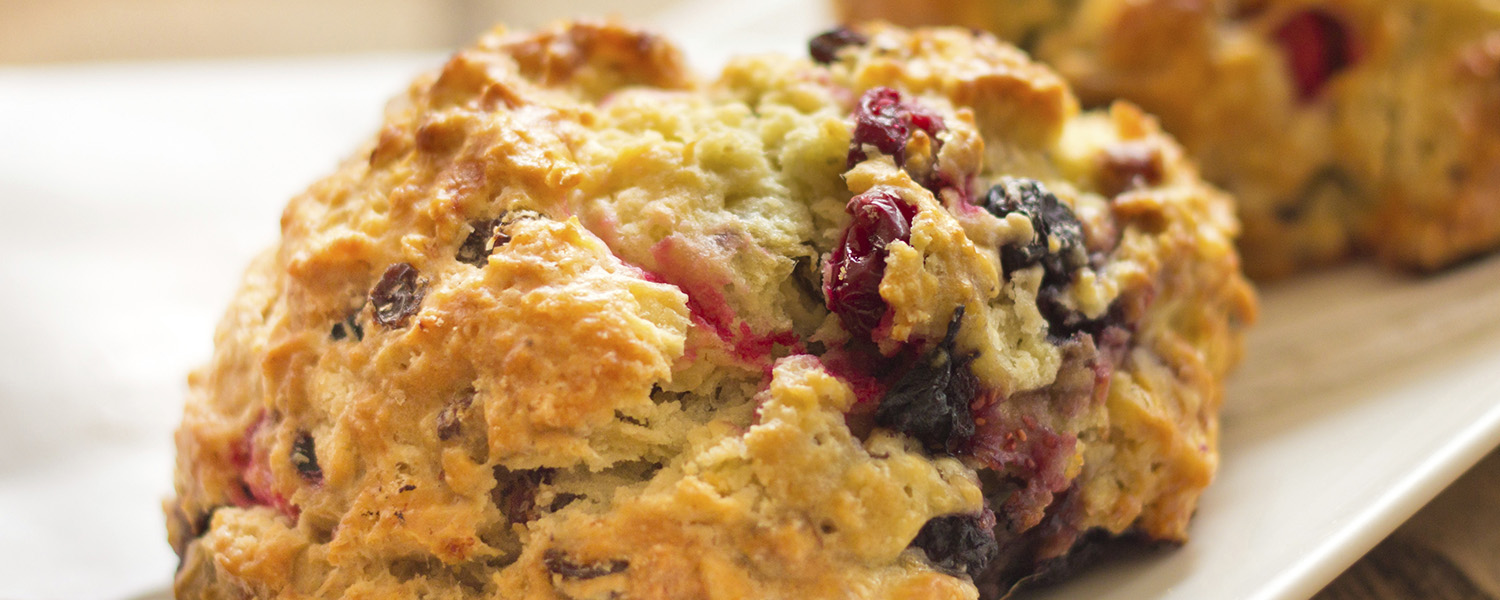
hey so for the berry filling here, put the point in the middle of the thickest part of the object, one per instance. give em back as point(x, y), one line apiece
point(851, 279)
point(882, 120)
point(825, 47)
point(1317, 47)
point(257, 484)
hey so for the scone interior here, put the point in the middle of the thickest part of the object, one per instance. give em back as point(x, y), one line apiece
point(895, 321)
point(1342, 126)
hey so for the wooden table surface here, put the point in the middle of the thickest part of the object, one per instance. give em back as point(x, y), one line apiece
point(1448, 551)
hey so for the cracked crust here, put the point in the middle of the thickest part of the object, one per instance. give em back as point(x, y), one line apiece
point(1398, 156)
point(599, 363)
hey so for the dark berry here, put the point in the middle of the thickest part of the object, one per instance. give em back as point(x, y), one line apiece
point(825, 47)
point(305, 458)
point(931, 401)
point(882, 120)
point(559, 563)
point(1317, 47)
point(349, 327)
point(1057, 236)
point(398, 295)
point(487, 235)
point(1064, 322)
point(959, 544)
point(851, 282)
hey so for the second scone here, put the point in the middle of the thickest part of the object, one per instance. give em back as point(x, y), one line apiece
point(897, 322)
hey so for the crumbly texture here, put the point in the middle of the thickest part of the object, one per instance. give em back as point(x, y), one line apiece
point(1342, 126)
point(576, 324)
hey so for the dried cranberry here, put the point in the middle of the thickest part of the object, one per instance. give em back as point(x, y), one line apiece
point(305, 458)
point(882, 120)
point(851, 282)
point(1057, 236)
point(1317, 47)
point(825, 47)
point(959, 544)
point(398, 295)
point(558, 562)
point(931, 401)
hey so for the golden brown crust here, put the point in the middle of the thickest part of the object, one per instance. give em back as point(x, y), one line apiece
point(1393, 156)
point(556, 332)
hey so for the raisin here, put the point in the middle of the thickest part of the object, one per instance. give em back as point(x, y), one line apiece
point(558, 563)
point(515, 492)
point(475, 249)
point(882, 120)
point(398, 295)
point(305, 458)
point(349, 327)
point(1317, 46)
point(959, 544)
point(825, 47)
point(450, 417)
point(931, 401)
point(852, 280)
point(1057, 236)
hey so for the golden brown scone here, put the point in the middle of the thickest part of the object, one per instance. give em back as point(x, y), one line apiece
point(1342, 126)
point(576, 324)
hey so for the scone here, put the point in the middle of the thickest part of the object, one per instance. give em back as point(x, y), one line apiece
point(896, 323)
point(1342, 126)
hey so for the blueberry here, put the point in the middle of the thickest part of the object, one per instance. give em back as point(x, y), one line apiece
point(349, 327)
point(931, 401)
point(852, 280)
point(959, 544)
point(1052, 223)
point(398, 295)
point(825, 47)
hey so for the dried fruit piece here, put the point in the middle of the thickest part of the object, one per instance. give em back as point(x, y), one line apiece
point(398, 295)
point(959, 544)
point(1129, 165)
point(851, 282)
point(1057, 239)
point(931, 401)
point(1317, 47)
point(558, 563)
point(305, 458)
point(825, 46)
point(476, 248)
point(882, 120)
point(349, 327)
point(515, 492)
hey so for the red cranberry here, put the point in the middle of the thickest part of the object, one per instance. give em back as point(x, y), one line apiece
point(1317, 47)
point(882, 120)
point(851, 281)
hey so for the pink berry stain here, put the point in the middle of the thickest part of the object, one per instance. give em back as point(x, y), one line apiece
point(249, 455)
point(677, 264)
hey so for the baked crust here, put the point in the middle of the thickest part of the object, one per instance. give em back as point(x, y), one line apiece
point(557, 332)
point(1392, 154)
